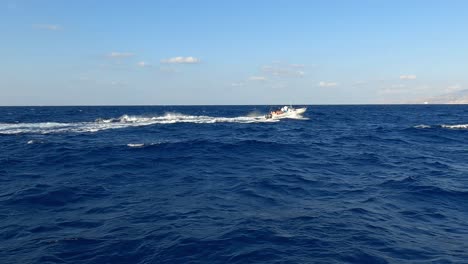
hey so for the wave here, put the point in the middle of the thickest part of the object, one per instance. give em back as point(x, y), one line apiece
point(460, 126)
point(135, 145)
point(33, 141)
point(48, 195)
point(422, 126)
point(122, 122)
point(144, 145)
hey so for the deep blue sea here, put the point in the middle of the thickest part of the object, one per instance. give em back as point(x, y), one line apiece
point(220, 184)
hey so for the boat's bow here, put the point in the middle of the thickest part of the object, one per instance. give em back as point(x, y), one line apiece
point(300, 110)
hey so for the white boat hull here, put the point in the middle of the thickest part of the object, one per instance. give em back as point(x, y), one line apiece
point(300, 111)
point(289, 114)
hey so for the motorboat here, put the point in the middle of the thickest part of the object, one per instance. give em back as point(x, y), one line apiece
point(286, 112)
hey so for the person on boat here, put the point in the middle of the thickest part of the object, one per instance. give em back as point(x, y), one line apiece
point(278, 111)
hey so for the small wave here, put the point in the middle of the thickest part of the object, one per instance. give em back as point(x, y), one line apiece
point(48, 195)
point(462, 126)
point(422, 126)
point(122, 122)
point(138, 145)
point(33, 141)
point(144, 145)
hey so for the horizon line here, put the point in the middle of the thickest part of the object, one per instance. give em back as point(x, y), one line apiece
point(121, 105)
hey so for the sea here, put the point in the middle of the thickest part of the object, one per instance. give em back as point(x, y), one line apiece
point(222, 184)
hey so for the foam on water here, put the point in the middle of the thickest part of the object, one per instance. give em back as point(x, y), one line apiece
point(422, 126)
point(122, 122)
point(135, 145)
point(461, 126)
point(33, 141)
point(143, 145)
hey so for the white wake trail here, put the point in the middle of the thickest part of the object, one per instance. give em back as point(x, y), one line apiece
point(122, 122)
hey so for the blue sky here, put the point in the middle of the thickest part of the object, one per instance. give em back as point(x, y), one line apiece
point(230, 52)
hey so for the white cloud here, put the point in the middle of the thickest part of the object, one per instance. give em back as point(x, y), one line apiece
point(359, 83)
point(257, 78)
point(298, 66)
point(143, 64)
point(181, 60)
point(283, 70)
point(408, 77)
point(119, 55)
point(237, 84)
point(398, 86)
point(51, 27)
point(327, 84)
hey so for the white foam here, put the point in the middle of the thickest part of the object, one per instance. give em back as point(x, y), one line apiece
point(122, 122)
point(422, 126)
point(136, 145)
point(462, 126)
point(34, 141)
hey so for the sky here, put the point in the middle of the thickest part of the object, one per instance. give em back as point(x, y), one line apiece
point(178, 52)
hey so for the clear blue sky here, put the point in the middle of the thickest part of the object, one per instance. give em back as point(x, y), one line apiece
point(230, 52)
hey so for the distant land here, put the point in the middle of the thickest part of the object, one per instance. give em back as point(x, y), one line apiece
point(458, 97)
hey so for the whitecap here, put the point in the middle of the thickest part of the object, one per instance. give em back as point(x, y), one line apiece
point(136, 145)
point(34, 141)
point(422, 126)
point(461, 126)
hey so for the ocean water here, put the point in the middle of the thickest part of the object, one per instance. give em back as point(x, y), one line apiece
point(220, 184)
